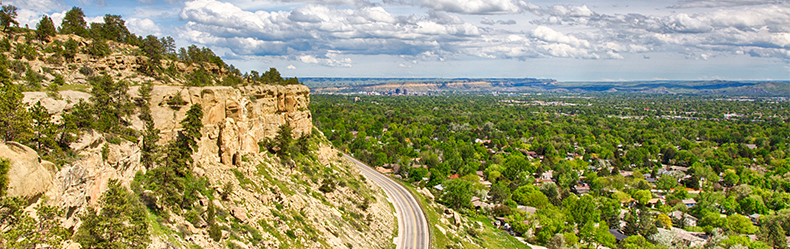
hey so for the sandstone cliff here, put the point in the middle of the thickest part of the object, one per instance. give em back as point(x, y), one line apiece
point(270, 205)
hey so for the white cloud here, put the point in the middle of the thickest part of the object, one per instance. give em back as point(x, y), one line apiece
point(143, 27)
point(487, 21)
point(330, 59)
point(313, 28)
point(547, 34)
point(290, 67)
point(36, 5)
point(57, 17)
point(473, 6)
point(722, 3)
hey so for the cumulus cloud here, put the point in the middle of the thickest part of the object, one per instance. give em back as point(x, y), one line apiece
point(330, 59)
point(722, 3)
point(368, 30)
point(36, 5)
point(547, 34)
point(143, 27)
point(754, 30)
point(326, 35)
point(489, 21)
point(473, 6)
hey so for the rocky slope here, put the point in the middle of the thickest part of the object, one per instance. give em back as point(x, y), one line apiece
point(260, 202)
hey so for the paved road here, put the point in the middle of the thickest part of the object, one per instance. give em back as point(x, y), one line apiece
point(412, 225)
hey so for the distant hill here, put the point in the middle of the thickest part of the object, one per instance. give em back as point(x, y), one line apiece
point(439, 85)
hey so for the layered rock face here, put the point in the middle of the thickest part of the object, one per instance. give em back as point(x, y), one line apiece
point(234, 120)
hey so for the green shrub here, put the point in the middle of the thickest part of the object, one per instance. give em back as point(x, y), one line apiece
point(98, 48)
point(327, 186)
point(18, 67)
point(5, 45)
point(70, 49)
point(85, 70)
point(290, 234)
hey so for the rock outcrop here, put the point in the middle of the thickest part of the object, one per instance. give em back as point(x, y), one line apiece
point(28, 176)
point(234, 120)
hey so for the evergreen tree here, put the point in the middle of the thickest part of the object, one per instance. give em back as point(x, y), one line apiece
point(74, 22)
point(112, 101)
point(192, 124)
point(15, 119)
point(168, 180)
point(45, 28)
point(213, 229)
point(113, 28)
point(43, 231)
point(68, 127)
point(5, 165)
point(284, 139)
point(120, 223)
point(71, 47)
point(631, 224)
point(150, 134)
point(8, 16)
point(43, 128)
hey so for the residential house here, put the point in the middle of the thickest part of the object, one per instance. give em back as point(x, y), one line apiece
point(687, 219)
point(686, 238)
point(755, 219)
point(581, 189)
point(689, 202)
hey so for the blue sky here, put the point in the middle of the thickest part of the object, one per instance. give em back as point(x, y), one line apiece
point(566, 40)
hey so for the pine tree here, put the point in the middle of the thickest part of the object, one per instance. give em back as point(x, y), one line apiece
point(74, 23)
point(8, 16)
point(284, 139)
point(631, 225)
point(43, 231)
point(15, 119)
point(120, 223)
point(43, 128)
point(213, 229)
point(168, 180)
point(192, 124)
point(45, 28)
point(112, 101)
point(5, 165)
point(150, 134)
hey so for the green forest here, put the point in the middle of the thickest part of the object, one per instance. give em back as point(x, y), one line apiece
point(639, 164)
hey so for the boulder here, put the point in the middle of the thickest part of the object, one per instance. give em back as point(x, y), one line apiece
point(240, 213)
point(28, 176)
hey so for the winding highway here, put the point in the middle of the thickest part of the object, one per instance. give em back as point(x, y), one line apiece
point(412, 226)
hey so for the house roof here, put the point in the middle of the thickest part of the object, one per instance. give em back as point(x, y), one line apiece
point(689, 201)
point(617, 234)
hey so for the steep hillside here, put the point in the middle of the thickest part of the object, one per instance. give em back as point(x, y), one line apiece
point(169, 156)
